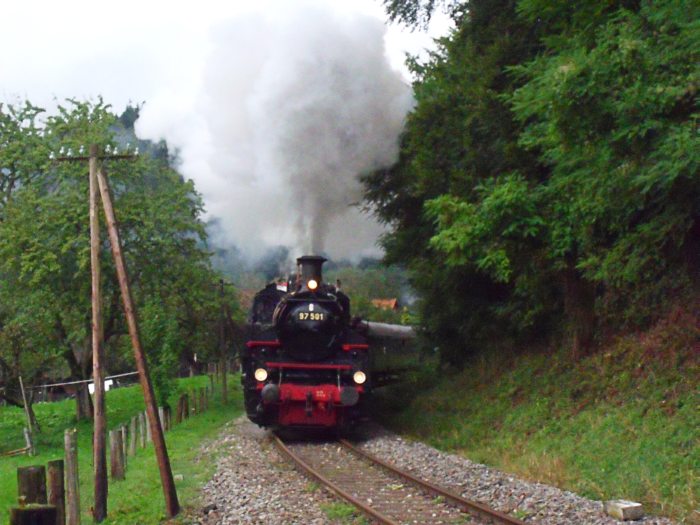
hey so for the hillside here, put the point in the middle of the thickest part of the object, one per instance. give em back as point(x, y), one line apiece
point(621, 423)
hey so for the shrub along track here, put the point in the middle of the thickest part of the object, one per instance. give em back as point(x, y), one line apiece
point(384, 493)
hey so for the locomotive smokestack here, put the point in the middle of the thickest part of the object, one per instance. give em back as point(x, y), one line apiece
point(310, 267)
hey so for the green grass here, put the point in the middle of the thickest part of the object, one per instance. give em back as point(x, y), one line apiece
point(138, 499)
point(623, 423)
point(343, 513)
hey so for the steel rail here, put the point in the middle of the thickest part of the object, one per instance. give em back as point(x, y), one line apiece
point(310, 471)
point(471, 507)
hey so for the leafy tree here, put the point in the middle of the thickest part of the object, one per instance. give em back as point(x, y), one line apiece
point(548, 173)
point(161, 338)
point(44, 247)
point(418, 13)
point(613, 109)
point(460, 136)
point(23, 152)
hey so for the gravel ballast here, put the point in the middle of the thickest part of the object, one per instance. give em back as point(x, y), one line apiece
point(531, 502)
point(253, 484)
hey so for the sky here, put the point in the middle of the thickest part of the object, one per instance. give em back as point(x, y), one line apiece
point(275, 108)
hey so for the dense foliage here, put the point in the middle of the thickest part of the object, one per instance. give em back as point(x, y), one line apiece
point(548, 179)
point(45, 260)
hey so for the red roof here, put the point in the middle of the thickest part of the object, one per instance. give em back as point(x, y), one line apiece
point(386, 304)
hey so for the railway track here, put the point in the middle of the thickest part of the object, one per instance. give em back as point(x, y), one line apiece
point(381, 491)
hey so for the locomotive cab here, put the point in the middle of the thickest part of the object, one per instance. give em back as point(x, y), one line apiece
point(306, 367)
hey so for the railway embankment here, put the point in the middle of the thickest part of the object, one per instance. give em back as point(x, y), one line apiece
point(621, 422)
point(254, 483)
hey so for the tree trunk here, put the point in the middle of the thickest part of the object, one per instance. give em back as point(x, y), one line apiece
point(83, 402)
point(32, 414)
point(579, 306)
point(691, 252)
point(12, 395)
point(79, 360)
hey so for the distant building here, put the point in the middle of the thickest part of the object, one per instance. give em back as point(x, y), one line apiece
point(386, 304)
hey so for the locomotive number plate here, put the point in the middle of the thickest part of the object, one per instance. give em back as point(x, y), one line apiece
point(311, 316)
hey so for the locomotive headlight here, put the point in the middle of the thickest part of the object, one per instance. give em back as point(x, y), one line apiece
point(359, 377)
point(260, 374)
point(312, 284)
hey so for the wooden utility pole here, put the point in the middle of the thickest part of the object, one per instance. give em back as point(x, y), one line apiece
point(166, 474)
point(222, 341)
point(99, 446)
point(98, 182)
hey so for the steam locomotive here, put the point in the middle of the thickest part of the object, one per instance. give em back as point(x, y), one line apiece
point(304, 366)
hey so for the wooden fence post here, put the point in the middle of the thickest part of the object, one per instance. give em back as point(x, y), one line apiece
point(125, 445)
point(57, 496)
point(178, 413)
point(133, 435)
point(193, 403)
point(186, 408)
point(33, 515)
point(224, 378)
point(116, 453)
point(31, 484)
point(72, 481)
point(149, 436)
point(142, 429)
point(161, 418)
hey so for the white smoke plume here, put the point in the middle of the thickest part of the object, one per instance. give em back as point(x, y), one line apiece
point(292, 107)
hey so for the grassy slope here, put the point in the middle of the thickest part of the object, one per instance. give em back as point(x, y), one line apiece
point(138, 499)
point(622, 423)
